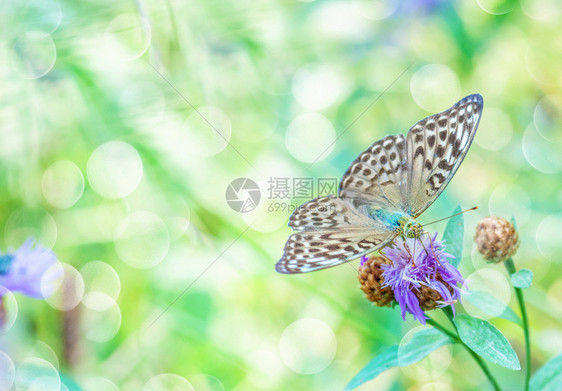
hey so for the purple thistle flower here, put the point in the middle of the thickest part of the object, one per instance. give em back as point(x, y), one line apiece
point(414, 268)
point(29, 270)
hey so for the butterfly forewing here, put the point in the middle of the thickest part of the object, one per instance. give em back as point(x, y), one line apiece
point(436, 147)
point(378, 177)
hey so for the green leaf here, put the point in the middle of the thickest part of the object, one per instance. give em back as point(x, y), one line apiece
point(420, 345)
point(489, 305)
point(522, 278)
point(549, 376)
point(384, 360)
point(487, 341)
point(453, 236)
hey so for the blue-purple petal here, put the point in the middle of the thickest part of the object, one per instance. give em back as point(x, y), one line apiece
point(31, 271)
point(414, 265)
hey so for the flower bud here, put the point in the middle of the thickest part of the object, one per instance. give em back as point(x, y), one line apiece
point(430, 298)
point(496, 239)
point(370, 278)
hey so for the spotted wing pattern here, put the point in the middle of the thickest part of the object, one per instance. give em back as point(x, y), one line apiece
point(327, 213)
point(332, 232)
point(397, 174)
point(436, 146)
point(313, 250)
point(378, 177)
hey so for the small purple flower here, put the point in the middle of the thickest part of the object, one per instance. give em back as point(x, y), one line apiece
point(29, 270)
point(415, 266)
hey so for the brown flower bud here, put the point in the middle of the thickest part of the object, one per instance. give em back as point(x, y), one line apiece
point(370, 278)
point(496, 239)
point(428, 297)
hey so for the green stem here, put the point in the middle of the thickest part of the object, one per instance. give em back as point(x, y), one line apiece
point(444, 330)
point(457, 339)
point(510, 266)
point(484, 367)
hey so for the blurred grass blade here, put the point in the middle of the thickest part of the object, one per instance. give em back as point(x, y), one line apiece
point(487, 341)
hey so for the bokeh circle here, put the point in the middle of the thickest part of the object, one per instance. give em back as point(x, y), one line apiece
point(308, 346)
point(114, 169)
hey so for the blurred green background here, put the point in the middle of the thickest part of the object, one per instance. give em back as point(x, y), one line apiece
point(122, 124)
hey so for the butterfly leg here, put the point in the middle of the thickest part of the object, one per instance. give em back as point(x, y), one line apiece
point(427, 252)
point(432, 248)
point(410, 252)
point(382, 254)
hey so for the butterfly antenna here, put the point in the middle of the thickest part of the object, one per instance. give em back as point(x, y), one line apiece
point(456, 214)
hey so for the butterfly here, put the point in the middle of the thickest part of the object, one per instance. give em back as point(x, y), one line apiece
point(383, 192)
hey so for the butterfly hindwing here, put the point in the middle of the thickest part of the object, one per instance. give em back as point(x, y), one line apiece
point(332, 231)
point(327, 213)
point(313, 250)
point(436, 147)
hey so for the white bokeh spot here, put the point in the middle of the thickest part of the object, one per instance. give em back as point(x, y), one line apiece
point(498, 130)
point(114, 169)
point(33, 55)
point(488, 281)
point(431, 367)
point(101, 318)
point(66, 291)
point(435, 87)
point(540, 153)
point(62, 184)
point(310, 137)
point(30, 222)
point(142, 240)
point(318, 87)
point(167, 382)
point(99, 384)
point(510, 200)
point(34, 374)
point(308, 346)
point(548, 240)
point(7, 371)
point(100, 278)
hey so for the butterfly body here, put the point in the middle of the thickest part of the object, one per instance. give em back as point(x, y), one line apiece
point(383, 192)
point(402, 223)
point(411, 228)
